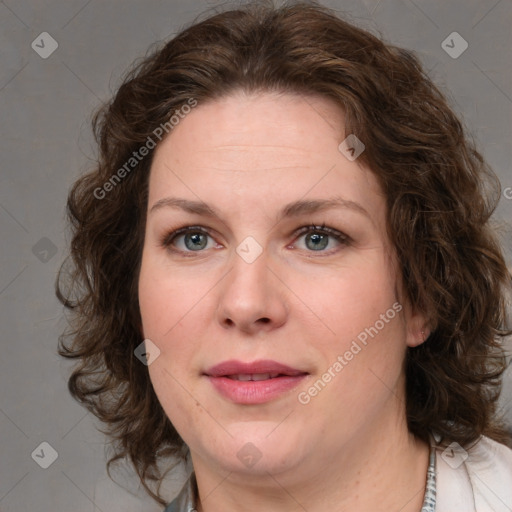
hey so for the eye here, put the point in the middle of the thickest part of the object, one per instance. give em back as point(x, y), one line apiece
point(320, 238)
point(188, 239)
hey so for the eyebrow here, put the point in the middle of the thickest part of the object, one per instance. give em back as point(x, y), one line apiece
point(294, 209)
point(198, 207)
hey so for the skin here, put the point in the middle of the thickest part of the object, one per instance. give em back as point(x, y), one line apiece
point(248, 156)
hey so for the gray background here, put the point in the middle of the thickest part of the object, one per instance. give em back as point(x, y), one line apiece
point(45, 107)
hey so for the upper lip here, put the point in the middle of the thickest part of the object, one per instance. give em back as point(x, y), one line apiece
point(233, 367)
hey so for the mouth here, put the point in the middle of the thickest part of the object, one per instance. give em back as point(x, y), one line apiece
point(253, 383)
point(255, 376)
point(257, 370)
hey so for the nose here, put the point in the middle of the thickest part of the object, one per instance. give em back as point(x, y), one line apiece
point(252, 297)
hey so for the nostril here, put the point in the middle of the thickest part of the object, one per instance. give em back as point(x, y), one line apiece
point(246, 326)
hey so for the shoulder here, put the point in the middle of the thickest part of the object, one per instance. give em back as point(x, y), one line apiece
point(476, 479)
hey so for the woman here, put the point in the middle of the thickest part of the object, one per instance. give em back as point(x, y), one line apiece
point(288, 213)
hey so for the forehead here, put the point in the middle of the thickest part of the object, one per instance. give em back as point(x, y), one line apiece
point(264, 147)
point(263, 123)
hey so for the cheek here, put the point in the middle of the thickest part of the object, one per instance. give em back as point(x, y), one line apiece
point(342, 303)
point(167, 298)
point(364, 346)
point(172, 393)
point(172, 307)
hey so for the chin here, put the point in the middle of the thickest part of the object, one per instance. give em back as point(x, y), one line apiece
point(253, 451)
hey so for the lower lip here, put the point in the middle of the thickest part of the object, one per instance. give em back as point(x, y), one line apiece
point(254, 391)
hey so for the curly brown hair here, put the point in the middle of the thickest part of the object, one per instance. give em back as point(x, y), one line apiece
point(440, 197)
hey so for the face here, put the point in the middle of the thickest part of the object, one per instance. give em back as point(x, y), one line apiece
point(269, 286)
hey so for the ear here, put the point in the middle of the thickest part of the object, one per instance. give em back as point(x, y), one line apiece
point(418, 329)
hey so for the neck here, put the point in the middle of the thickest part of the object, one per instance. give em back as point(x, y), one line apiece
point(381, 467)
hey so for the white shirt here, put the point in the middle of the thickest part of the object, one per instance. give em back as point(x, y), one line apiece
point(478, 479)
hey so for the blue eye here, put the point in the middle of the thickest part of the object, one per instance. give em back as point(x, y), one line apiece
point(317, 241)
point(189, 239)
point(319, 238)
point(195, 239)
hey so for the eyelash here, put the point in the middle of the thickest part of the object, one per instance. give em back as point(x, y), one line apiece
point(340, 237)
point(168, 239)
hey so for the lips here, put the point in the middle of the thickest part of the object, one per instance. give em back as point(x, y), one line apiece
point(253, 383)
